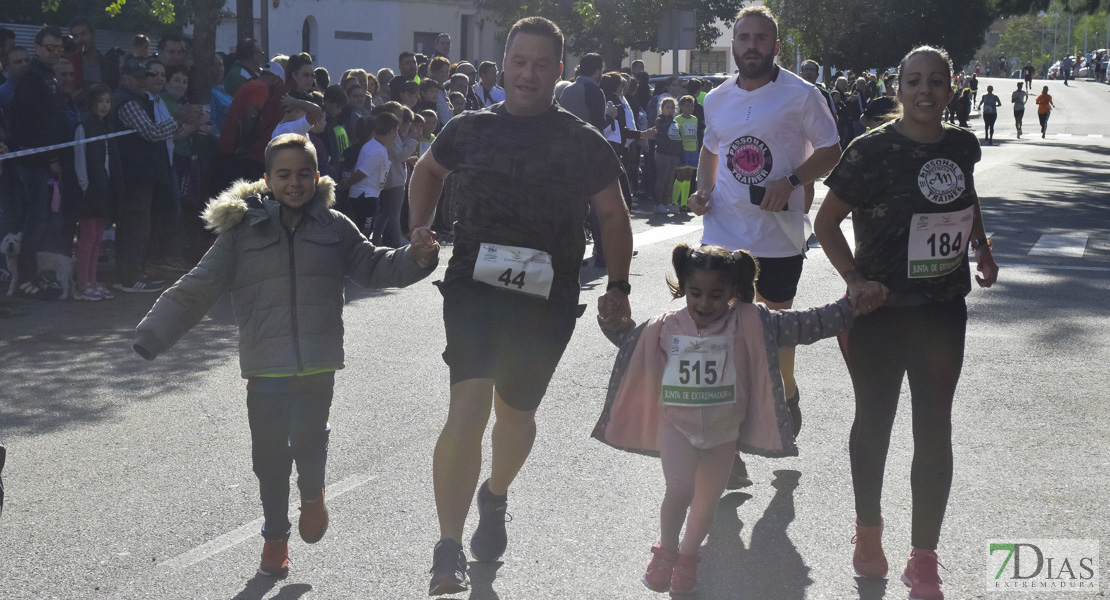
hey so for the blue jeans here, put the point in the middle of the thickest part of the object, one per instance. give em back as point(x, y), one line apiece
point(387, 218)
point(289, 423)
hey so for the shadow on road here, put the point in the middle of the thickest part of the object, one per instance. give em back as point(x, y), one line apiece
point(71, 363)
point(772, 567)
point(260, 585)
point(482, 575)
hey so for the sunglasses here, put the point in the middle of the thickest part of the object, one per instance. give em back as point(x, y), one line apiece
point(53, 47)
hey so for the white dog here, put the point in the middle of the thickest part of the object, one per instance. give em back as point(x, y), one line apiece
point(9, 247)
point(62, 266)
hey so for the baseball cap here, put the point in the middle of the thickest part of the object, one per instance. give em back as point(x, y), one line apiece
point(274, 68)
point(136, 67)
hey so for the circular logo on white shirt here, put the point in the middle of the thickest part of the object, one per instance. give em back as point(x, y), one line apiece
point(941, 181)
point(749, 160)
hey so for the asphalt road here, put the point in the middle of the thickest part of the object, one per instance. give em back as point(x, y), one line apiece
point(129, 479)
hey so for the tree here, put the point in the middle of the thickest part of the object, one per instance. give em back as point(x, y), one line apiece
point(1025, 7)
point(866, 34)
point(612, 27)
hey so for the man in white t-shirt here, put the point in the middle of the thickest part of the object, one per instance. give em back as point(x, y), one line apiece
point(301, 115)
point(768, 133)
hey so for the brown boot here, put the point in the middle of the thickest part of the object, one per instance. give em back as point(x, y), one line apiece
point(275, 558)
point(314, 518)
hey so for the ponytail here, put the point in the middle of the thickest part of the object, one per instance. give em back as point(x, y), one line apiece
point(680, 257)
point(739, 266)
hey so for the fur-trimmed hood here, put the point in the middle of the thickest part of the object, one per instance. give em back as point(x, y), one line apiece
point(226, 210)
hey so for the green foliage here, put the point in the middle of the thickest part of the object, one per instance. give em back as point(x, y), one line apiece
point(611, 27)
point(163, 10)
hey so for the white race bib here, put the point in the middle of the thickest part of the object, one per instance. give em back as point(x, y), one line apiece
point(515, 269)
point(938, 242)
point(699, 372)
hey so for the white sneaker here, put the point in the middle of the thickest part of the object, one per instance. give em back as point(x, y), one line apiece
point(663, 209)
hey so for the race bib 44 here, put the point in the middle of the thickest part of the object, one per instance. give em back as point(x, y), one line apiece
point(521, 270)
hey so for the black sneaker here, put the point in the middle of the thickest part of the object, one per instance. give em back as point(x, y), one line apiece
point(142, 284)
point(795, 411)
point(40, 289)
point(448, 569)
point(489, 539)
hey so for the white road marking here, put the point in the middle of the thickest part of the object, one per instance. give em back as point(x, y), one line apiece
point(1055, 267)
point(1094, 135)
point(655, 234)
point(1069, 245)
point(252, 529)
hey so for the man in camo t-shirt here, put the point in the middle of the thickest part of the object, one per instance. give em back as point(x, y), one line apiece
point(527, 173)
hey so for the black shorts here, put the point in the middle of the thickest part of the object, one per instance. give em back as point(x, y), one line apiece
point(778, 278)
point(514, 340)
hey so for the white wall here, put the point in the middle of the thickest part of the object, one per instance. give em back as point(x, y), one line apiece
point(390, 23)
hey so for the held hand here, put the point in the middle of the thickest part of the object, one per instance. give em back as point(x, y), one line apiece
point(422, 235)
point(777, 195)
point(614, 310)
point(699, 201)
point(648, 134)
point(287, 101)
point(985, 264)
point(424, 250)
point(866, 296)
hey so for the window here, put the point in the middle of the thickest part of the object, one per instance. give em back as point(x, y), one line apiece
point(714, 61)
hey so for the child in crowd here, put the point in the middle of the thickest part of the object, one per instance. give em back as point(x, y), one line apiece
point(688, 130)
point(698, 383)
point(428, 135)
point(97, 167)
point(429, 95)
point(335, 134)
point(458, 102)
point(317, 136)
point(290, 320)
point(301, 114)
point(365, 184)
point(668, 153)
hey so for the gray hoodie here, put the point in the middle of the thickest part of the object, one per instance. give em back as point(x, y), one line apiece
point(286, 286)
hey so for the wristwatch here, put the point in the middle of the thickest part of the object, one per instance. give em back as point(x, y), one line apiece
point(621, 285)
point(976, 244)
point(794, 181)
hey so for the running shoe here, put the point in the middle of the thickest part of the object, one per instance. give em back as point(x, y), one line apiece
point(738, 478)
point(314, 519)
point(795, 411)
point(40, 289)
point(489, 540)
point(921, 576)
point(141, 284)
point(88, 293)
point(275, 558)
point(868, 559)
point(684, 579)
point(657, 578)
point(662, 209)
point(104, 291)
point(448, 569)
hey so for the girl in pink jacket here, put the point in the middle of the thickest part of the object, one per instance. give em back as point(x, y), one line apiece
point(695, 384)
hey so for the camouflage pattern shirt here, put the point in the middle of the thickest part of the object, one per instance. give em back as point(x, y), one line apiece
point(912, 208)
point(524, 182)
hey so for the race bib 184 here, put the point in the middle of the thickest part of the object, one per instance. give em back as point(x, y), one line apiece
point(521, 270)
point(938, 242)
point(699, 372)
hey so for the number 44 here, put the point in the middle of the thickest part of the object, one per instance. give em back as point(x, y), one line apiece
point(508, 279)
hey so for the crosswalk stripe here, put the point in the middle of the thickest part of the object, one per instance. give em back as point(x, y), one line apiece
point(1071, 245)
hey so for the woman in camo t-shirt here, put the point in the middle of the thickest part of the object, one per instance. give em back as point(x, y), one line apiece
point(910, 189)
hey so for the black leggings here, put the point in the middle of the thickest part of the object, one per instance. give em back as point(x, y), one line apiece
point(927, 343)
point(988, 124)
point(1044, 121)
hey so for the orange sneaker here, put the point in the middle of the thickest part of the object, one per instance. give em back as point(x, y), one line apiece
point(275, 558)
point(314, 518)
point(868, 558)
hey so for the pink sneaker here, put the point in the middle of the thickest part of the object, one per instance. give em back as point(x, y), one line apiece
point(657, 578)
point(685, 578)
point(921, 576)
point(868, 558)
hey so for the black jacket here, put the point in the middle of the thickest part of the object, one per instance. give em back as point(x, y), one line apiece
point(38, 115)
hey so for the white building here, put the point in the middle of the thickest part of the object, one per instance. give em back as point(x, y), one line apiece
point(368, 34)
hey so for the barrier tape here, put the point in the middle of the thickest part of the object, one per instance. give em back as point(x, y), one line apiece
point(40, 150)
